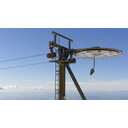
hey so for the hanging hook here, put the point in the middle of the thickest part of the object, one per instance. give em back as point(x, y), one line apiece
point(93, 62)
point(92, 70)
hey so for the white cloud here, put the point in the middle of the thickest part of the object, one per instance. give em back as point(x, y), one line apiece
point(114, 85)
point(10, 87)
point(97, 82)
point(7, 87)
point(121, 84)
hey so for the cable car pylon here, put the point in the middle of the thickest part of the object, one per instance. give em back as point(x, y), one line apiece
point(63, 61)
point(65, 58)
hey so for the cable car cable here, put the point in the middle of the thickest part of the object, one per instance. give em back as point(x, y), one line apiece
point(22, 58)
point(23, 65)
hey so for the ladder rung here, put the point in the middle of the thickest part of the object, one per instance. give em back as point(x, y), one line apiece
point(56, 78)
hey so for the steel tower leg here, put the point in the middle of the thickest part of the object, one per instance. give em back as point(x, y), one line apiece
point(62, 82)
point(75, 82)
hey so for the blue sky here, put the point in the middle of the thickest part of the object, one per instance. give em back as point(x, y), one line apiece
point(21, 42)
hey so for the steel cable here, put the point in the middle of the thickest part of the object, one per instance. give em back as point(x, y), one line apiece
point(23, 65)
point(22, 58)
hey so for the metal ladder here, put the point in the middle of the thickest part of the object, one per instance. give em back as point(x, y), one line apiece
point(56, 78)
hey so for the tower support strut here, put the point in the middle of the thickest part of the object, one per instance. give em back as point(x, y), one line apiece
point(75, 82)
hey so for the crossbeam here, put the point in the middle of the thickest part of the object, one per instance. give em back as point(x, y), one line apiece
point(61, 36)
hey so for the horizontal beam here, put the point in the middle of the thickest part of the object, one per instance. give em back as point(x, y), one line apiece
point(58, 61)
point(62, 61)
point(61, 36)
